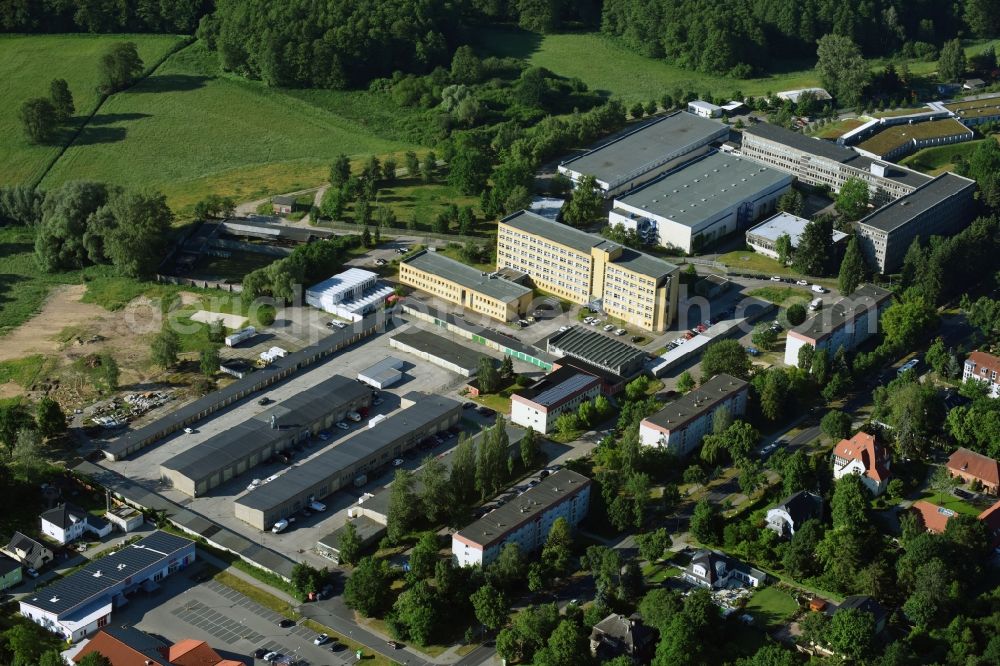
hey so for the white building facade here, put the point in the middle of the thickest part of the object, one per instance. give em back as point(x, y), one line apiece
point(847, 324)
point(681, 425)
point(985, 368)
point(551, 398)
point(350, 295)
point(66, 523)
point(525, 520)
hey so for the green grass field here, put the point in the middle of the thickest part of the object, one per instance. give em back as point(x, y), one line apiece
point(938, 159)
point(23, 285)
point(951, 502)
point(189, 131)
point(604, 65)
point(771, 607)
point(28, 63)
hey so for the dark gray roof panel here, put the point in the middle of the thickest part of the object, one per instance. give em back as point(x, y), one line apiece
point(467, 276)
point(897, 213)
point(801, 142)
point(685, 408)
point(557, 232)
point(595, 348)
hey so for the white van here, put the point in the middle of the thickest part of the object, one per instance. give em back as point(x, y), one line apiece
point(818, 289)
point(816, 304)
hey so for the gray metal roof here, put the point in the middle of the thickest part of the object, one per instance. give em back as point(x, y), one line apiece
point(255, 434)
point(345, 455)
point(704, 189)
point(897, 213)
point(893, 172)
point(85, 585)
point(561, 389)
point(595, 348)
point(459, 273)
point(697, 402)
point(846, 309)
point(644, 264)
point(383, 371)
point(247, 385)
point(367, 530)
point(440, 347)
point(283, 199)
point(495, 525)
point(647, 146)
point(801, 142)
point(556, 232)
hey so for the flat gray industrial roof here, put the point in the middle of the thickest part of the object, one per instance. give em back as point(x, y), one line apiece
point(348, 453)
point(706, 188)
point(801, 142)
point(385, 370)
point(897, 213)
point(846, 309)
point(561, 385)
point(893, 171)
point(449, 269)
point(254, 434)
point(689, 406)
point(564, 234)
point(526, 507)
point(626, 156)
point(596, 348)
point(786, 223)
point(83, 585)
point(367, 530)
point(440, 347)
point(248, 384)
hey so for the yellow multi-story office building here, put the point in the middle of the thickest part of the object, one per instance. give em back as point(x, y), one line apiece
point(585, 268)
point(453, 281)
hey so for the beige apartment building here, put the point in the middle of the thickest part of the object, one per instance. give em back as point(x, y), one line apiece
point(585, 268)
point(452, 281)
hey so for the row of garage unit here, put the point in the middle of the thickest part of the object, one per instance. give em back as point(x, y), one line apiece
point(342, 465)
point(239, 449)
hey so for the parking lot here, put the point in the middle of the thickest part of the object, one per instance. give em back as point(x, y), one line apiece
point(300, 541)
point(234, 625)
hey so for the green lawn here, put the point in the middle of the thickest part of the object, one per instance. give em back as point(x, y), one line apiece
point(603, 64)
point(781, 295)
point(938, 159)
point(189, 131)
point(23, 285)
point(28, 63)
point(22, 371)
point(409, 198)
point(746, 260)
point(771, 607)
point(838, 128)
point(953, 503)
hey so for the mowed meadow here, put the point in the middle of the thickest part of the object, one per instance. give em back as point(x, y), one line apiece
point(28, 63)
point(189, 130)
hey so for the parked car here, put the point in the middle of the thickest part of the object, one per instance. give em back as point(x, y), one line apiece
point(322, 639)
point(818, 289)
point(259, 653)
point(273, 656)
point(342, 425)
point(775, 278)
point(377, 401)
point(264, 401)
point(802, 283)
point(752, 351)
point(317, 506)
point(563, 328)
point(397, 462)
point(609, 327)
point(31, 572)
point(621, 331)
point(189, 430)
point(284, 623)
point(636, 338)
point(394, 645)
point(278, 528)
point(324, 435)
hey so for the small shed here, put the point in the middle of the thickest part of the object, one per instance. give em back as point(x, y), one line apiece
point(282, 204)
point(368, 532)
point(383, 374)
point(125, 518)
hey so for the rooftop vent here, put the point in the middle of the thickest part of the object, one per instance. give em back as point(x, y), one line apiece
point(54, 600)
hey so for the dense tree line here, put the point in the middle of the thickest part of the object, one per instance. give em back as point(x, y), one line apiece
point(102, 16)
point(739, 38)
point(331, 44)
point(306, 264)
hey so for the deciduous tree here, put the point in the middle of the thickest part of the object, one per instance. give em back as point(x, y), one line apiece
point(852, 200)
point(118, 67)
point(39, 119)
point(368, 589)
point(62, 99)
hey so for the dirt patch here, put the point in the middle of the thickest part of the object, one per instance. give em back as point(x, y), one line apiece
point(10, 390)
point(39, 335)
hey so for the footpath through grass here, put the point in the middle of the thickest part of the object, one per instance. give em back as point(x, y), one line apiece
point(189, 131)
point(28, 63)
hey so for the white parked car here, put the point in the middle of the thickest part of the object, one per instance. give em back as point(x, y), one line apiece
point(775, 278)
point(608, 328)
point(563, 328)
point(342, 425)
point(318, 507)
point(621, 331)
point(818, 289)
point(321, 639)
point(354, 416)
point(280, 526)
point(802, 283)
point(189, 430)
point(397, 462)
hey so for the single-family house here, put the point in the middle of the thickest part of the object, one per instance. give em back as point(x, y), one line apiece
point(27, 551)
point(127, 646)
point(863, 455)
point(618, 635)
point(283, 205)
point(67, 522)
point(795, 510)
point(715, 570)
point(10, 572)
point(974, 467)
point(985, 368)
point(935, 517)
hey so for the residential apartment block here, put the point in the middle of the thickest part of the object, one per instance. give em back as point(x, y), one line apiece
point(553, 395)
point(847, 323)
point(681, 425)
point(632, 159)
point(588, 269)
point(864, 456)
point(818, 162)
point(701, 202)
point(525, 520)
point(942, 207)
point(484, 293)
point(983, 367)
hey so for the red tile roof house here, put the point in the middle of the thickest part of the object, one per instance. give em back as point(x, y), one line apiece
point(983, 367)
point(862, 455)
point(971, 466)
point(127, 646)
point(935, 517)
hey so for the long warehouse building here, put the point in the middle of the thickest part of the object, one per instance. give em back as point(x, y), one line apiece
point(230, 453)
point(340, 465)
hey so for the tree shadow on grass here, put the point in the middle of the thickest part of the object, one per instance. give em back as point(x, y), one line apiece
point(510, 42)
point(109, 118)
point(8, 282)
point(102, 128)
point(161, 83)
